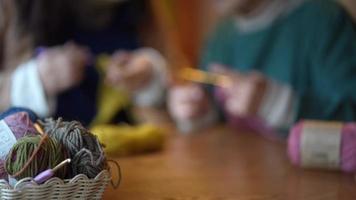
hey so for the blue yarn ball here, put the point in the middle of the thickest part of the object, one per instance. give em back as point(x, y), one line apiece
point(33, 116)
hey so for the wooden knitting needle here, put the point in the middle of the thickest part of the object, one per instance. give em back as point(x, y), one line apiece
point(188, 74)
point(39, 128)
point(200, 76)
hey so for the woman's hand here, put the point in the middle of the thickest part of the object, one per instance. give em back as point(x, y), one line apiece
point(61, 68)
point(129, 71)
point(187, 102)
point(243, 97)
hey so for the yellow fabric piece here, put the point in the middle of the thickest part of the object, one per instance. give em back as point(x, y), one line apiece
point(110, 99)
point(123, 140)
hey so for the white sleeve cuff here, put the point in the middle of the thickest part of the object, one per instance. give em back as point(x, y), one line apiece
point(27, 90)
point(278, 107)
point(153, 93)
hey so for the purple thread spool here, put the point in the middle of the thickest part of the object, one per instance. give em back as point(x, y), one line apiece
point(347, 148)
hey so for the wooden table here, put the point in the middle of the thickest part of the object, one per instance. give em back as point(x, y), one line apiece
point(223, 164)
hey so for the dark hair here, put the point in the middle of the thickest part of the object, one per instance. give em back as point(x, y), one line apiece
point(52, 22)
point(45, 20)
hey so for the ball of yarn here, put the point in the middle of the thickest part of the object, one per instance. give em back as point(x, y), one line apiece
point(347, 151)
point(122, 140)
point(20, 125)
point(13, 110)
point(3, 173)
point(32, 155)
point(83, 147)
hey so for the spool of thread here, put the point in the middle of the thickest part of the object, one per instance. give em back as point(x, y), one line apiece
point(13, 110)
point(123, 140)
point(347, 144)
point(32, 155)
point(85, 151)
point(20, 125)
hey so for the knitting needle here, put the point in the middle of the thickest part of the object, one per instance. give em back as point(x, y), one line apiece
point(200, 76)
point(188, 74)
point(49, 173)
point(39, 129)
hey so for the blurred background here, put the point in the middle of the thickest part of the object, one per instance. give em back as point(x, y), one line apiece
point(74, 34)
point(195, 18)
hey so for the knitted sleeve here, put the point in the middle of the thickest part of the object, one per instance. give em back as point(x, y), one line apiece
point(218, 47)
point(331, 95)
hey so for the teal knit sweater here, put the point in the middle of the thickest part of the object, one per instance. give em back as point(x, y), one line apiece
point(312, 49)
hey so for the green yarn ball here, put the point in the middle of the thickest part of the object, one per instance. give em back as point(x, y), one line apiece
point(49, 155)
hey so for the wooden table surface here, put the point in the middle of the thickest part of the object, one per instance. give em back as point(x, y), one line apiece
point(223, 164)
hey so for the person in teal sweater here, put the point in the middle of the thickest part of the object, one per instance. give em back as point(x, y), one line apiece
point(287, 59)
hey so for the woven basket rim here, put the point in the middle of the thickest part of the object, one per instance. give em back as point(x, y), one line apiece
point(28, 182)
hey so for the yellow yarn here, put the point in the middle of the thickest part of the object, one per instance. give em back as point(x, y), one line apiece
point(111, 100)
point(122, 140)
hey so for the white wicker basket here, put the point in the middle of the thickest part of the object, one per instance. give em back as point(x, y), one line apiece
point(79, 187)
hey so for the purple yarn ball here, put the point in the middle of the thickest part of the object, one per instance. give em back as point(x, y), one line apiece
point(14, 110)
point(20, 125)
point(348, 146)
